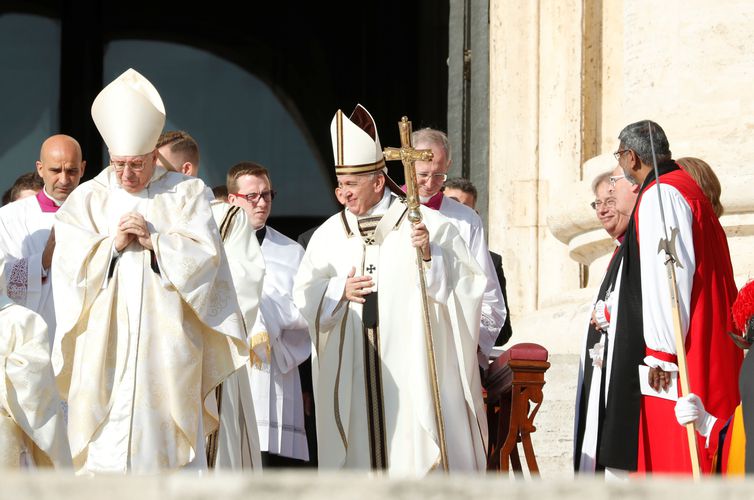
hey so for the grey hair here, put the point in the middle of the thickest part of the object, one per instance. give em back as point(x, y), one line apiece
point(604, 177)
point(636, 138)
point(432, 136)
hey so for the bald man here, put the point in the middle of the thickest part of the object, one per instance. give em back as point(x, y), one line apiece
point(26, 235)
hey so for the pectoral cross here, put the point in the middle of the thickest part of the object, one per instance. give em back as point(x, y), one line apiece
point(408, 155)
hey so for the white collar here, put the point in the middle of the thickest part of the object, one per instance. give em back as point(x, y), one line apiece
point(381, 206)
point(56, 202)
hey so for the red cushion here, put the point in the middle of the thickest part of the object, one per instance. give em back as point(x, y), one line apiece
point(527, 351)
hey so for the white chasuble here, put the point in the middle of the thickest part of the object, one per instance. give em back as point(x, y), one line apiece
point(32, 425)
point(238, 438)
point(404, 401)
point(143, 337)
point(24, 230)
point(275, 380)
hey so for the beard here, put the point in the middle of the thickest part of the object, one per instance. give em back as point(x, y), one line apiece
point(630, 178)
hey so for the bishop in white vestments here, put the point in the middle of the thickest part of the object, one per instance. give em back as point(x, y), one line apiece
point(148, 320)
point(358, 289)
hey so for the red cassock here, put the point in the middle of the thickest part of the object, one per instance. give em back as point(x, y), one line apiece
point(706, 297)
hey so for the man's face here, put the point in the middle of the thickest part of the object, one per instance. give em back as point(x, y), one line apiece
point(461, 196)
point(134, 172)
point(625, 159)
point(430, 175)
point(259, 187)
point(60, 167)
point(625, 195)
point(359, 193)
point(605, 209)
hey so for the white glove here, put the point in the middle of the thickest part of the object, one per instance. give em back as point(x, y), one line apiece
point(690, 409)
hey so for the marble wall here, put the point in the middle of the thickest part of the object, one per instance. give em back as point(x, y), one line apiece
point(565, 78)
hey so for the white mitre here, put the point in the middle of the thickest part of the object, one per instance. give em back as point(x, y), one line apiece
point(355, 143)
point(129, 115)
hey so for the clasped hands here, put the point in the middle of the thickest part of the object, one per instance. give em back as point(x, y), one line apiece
point(132, 226)
point(358, 287)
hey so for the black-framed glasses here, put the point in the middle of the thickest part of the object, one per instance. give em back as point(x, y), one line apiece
point(267, 196)
point(597, 204)
point(620, 152)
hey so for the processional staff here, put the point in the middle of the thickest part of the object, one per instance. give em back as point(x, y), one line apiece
point(408, 155)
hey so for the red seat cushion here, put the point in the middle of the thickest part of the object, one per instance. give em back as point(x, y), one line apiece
point(527, 351)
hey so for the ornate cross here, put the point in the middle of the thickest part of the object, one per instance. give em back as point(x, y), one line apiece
point(408, 155)
point(371, 269)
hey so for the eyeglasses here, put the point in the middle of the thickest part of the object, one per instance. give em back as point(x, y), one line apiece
point(618, 153)
point(597, 204)
point(267, 196)
point(134, 165)
point(615, 178)
point(424, 176)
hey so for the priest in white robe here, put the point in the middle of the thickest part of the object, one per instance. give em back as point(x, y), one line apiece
point(148, 321)
point(430, 176)
point(275, 380)
point(32, 424)
point(25, 236)
point(358, 289)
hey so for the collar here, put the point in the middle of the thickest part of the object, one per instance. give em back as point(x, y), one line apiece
point(260, 233)
point(46, 202)
point(391, 219)
point(381, 206)
point(434, 202)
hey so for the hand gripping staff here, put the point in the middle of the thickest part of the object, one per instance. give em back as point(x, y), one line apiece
point(671, 260)
point(408, 155)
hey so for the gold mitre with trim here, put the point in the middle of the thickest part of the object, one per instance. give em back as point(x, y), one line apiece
point(355, 143)
point(129, 115)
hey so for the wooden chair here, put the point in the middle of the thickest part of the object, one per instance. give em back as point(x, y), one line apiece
point(514, 380)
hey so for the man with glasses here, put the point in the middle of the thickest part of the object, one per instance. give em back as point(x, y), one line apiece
point(358, 287)
point(430, 177)
point(639, 430)
point(148, 322)
point(614, 200)
point(279, 333)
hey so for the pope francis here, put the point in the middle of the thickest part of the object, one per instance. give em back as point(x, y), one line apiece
point(358, 289)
